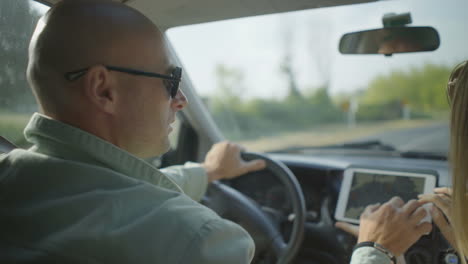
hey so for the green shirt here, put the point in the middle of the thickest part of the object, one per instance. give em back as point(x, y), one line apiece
point(74, 198)
point(370, 255)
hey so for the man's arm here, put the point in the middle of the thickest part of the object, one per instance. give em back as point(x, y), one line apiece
point(191, 178)
point(223, 161)
point(219, 241)
point(369, 255)
point(365, 255)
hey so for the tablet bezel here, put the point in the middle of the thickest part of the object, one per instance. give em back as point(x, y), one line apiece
point(429, 185)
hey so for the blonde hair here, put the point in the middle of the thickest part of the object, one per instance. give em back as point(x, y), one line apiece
point(457, 93)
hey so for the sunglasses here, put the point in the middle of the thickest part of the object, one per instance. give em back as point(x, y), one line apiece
point(171, 82)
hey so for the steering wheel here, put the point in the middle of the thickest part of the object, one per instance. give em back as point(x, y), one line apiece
point(235, 206)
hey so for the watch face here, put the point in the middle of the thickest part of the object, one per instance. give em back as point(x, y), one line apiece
point(451, 258)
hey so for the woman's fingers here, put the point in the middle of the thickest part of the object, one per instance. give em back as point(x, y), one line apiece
point(444, 190)
point(440, 200)
point(443, 225)
point(439, 219)
point(441, 211)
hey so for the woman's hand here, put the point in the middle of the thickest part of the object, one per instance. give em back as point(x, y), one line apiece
point(442, 200)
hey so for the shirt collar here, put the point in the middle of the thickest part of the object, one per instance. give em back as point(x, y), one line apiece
point(61, 140)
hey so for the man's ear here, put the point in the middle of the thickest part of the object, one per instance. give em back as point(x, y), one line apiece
point(100, 88)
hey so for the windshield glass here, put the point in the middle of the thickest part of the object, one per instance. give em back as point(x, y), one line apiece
point(278, 81)
point(18, 19)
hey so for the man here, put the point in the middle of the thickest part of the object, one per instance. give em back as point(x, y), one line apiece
point(83, 193)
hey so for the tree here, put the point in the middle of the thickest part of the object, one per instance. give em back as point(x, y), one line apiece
point(287, 70)
point(286, 66)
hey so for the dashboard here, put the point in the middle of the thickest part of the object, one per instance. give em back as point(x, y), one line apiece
point(272, 195)
point(320, 178)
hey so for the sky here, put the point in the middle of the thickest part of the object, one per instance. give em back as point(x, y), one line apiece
point(41, 8)
point(256, 46)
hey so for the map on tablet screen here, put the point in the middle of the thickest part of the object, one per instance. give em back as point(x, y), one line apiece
point(362, 187)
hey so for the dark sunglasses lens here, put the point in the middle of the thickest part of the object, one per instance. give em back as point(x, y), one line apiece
point(169, 87)
point(172, 88)
point(177, 75)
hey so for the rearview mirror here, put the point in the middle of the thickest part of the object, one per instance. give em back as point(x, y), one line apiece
point(390, 40)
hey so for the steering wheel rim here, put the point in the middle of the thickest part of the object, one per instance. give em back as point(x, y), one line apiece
point(259, 224)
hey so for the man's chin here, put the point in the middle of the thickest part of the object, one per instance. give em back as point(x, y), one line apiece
point(157, 151)
point(167, 147)
point(164, 148)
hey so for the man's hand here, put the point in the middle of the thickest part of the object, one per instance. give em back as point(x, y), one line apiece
point(223, 161)
point(394, 225)
point(442, 200)
point(354, 231)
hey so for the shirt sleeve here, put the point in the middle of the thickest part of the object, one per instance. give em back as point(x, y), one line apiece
point(220, 241)
point(190, 177)
point(369, 255)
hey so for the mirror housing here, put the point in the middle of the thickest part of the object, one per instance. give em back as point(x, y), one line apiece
point(390, 40)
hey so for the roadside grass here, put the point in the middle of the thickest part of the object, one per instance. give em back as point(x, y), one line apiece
point(332, 134)
point(12, 126)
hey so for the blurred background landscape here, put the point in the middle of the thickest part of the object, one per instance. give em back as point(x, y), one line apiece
point(289, 90)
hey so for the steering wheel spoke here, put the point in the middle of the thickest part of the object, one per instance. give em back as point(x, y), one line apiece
point(262, 223)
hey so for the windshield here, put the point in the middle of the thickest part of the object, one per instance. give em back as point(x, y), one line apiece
point(278, 81)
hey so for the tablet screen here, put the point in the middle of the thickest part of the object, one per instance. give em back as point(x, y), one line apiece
point(371, 188)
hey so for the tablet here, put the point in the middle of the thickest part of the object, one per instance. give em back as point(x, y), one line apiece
point(363, 187)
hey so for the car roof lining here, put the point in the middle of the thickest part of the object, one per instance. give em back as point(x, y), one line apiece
point(186, 12)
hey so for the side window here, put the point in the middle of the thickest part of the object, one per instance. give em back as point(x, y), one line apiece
point(17, 21)
point(184, 144)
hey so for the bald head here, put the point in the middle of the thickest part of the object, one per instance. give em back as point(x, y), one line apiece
point(78, 34)
point(131, 111)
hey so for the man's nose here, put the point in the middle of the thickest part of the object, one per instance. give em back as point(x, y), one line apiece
point(179, 101)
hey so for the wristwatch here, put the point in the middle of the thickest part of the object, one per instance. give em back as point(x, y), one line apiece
point(378, 247)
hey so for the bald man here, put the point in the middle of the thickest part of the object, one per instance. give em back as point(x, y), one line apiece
point(84, 193)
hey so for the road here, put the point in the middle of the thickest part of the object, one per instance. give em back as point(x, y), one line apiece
point(420, 135)
point(432, 138)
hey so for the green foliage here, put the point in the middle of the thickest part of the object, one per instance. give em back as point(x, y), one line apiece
point(263, 117)
point(420, 89)
point(423, 89)
point(392, 110)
